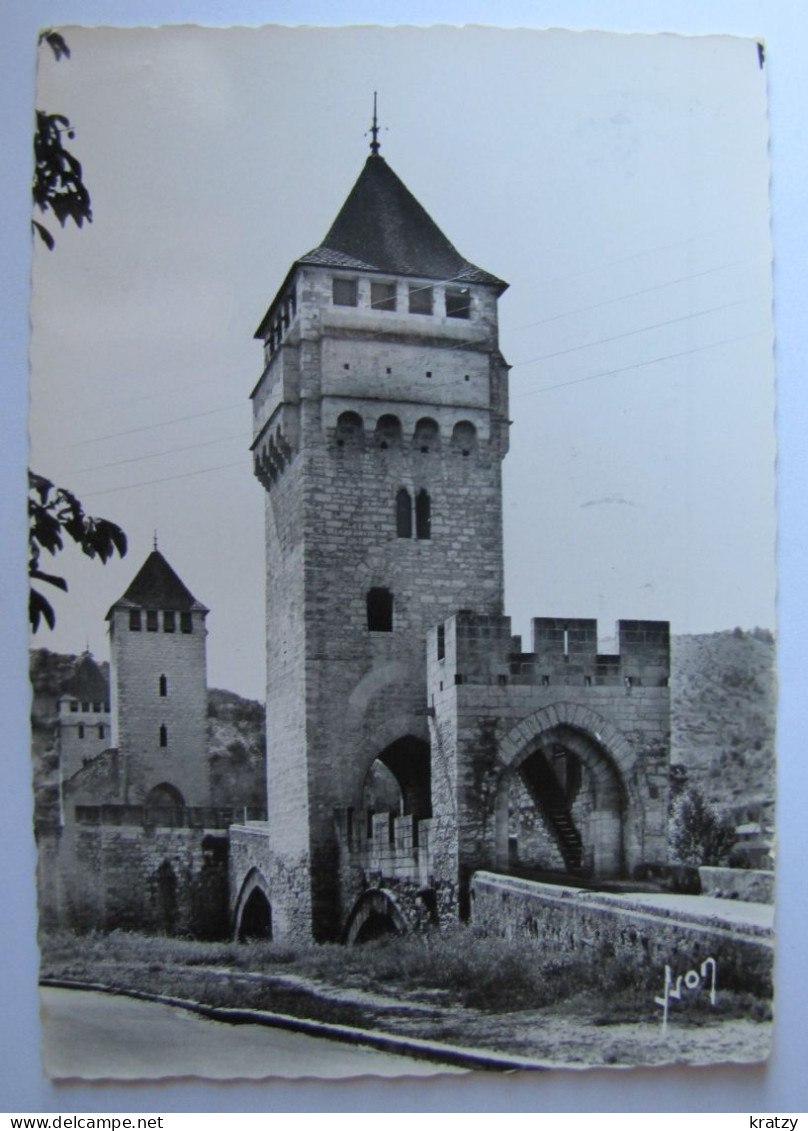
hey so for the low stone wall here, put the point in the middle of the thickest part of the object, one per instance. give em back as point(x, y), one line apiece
point(749, 884)
point(163, 881)
point(679, 931)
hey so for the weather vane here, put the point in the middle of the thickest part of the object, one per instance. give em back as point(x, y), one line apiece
point(375, 129)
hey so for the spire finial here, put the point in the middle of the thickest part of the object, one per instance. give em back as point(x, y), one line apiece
point(155, 539)
point(374, 129)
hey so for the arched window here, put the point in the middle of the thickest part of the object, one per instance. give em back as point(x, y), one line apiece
point(403, 514)
point(380, 610)
point(163, 686)
point(388, 430)
point(350, 429)
point(423, 520)
point(426, 434)
point(464, 437)
point(163, 735)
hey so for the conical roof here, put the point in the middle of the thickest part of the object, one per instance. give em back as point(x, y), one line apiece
point(87, 681)
point(156, 586)
point(382, 227)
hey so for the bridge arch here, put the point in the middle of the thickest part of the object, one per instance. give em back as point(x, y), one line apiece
point(253, 915)
point(374, 915)
point(571, 768)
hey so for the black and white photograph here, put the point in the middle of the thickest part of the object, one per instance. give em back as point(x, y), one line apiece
point(402, 551)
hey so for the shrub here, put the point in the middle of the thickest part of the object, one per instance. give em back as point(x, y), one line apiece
point(698, 834)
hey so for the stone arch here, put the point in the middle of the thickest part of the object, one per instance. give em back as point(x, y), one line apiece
point(374, 915)
point(253, 914)
point(427, 434)
point(349, 430)
point(163, 806)
point(464, 437)
point(388, 430)
point(164, 796)
point(547, 756)
point(407, 758)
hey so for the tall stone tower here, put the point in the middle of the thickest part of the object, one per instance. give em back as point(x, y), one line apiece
point(381, 421)
point(159, 688)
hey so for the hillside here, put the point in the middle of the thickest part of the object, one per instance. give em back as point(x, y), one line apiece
point(236, 740)
point(723, 701)
point(236, 749)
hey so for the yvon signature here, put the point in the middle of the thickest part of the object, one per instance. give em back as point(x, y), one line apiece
point(693, 982)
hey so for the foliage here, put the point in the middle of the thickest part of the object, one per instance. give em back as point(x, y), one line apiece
point(58, 184)
point(698, 834)
point(58, 187)
point(54, 512)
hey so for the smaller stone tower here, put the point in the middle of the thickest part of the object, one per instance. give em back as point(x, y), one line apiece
point(159, 688)
point(84, 717)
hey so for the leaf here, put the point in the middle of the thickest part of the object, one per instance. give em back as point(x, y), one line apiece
point(50, 578)
point(45, 235)
point(39, 608)
point(55, 42)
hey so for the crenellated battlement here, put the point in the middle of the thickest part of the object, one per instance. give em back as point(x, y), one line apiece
point(474, 648)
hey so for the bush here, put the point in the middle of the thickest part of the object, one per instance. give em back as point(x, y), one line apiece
point(699, 836)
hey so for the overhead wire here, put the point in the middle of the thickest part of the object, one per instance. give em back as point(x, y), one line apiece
point(461, 345)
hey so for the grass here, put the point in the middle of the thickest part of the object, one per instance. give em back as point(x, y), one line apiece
point(447, 970)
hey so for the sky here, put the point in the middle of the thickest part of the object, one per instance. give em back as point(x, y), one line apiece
point(618, 183)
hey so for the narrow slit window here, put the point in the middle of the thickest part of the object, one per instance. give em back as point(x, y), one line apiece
point(403, 514)
point(163, 686)
point(186, 624)
point(163, 735)
point(81, 730)
point(441, 642)
point(169, 622)
point(101, 731)
point(134, 620)
point(423, 516)
point(151, 620)
point(380, 610)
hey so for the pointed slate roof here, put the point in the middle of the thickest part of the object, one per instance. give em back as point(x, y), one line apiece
point(87, 681)
point(382, 227)
point(156, 586)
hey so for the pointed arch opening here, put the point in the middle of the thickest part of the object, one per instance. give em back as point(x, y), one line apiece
point(560, 808)
point(403, 513)
point(253, 914)
point(423, 515)
point(399, 780)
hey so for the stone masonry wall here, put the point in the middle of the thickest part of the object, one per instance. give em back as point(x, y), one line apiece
point(138, 661)
point(157, 880)
point(493, 704)
point(595, 925)
point(332, 523)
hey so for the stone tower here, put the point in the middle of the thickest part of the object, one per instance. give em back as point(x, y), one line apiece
point(381, 421)
point(159, 688)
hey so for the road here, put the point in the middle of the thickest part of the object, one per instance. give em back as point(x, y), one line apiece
point(94, 1036)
